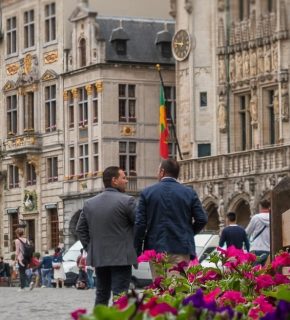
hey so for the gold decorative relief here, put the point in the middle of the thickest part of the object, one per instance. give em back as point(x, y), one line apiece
point(75, 92)
point(89, 89)
point(50, 57)
point(127, 131)
point(12, 68)
point(10, 85)
point(65, 95)
point(49, 75)
point(27, 63)
point(99, 86)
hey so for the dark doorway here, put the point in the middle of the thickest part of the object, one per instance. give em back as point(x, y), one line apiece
point(213, 218)
point(243, 213)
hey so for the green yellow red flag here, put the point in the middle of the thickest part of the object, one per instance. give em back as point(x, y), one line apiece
point(164, 133)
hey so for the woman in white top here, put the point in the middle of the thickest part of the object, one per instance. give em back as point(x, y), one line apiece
point(19, 256)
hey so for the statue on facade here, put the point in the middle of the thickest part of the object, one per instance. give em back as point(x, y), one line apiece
point(260, 61)
point(246, 65)
point(268, 59)
point(276, 103)
point(253, 63)
point(222, 114)
point(254, 108)
point(222, 71)
point(239, 67)
point(285, 102)
point(275, 56)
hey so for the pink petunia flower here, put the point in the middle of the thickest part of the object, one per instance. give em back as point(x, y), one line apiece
point(121, 303)
point(232, 297)
point(264, 281)
point(193, 263)
point(260, 307)
point(211, 296)
point(77, 313)
point(281, 260)
point(162, 308)
point(147, 256)
point(281, 279)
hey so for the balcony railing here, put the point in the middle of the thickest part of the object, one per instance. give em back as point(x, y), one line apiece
point(21, 144)
point(238, 164)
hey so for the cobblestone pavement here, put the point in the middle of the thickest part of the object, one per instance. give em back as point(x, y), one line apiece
point(43, 304)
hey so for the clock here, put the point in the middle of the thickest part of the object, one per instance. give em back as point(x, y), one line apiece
point(181, 44)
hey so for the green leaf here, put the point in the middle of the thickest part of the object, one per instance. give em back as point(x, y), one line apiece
point(282, 292)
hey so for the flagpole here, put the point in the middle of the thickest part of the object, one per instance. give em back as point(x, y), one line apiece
point(172, 122)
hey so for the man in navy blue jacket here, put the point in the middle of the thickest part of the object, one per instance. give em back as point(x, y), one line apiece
point(168, 216)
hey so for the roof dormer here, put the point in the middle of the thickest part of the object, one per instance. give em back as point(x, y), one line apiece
point(163, 42)
point(119, 38)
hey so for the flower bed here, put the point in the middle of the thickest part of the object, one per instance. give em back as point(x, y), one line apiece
point(235, 289)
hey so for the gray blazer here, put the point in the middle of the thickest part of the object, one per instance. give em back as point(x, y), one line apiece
point(106, 229)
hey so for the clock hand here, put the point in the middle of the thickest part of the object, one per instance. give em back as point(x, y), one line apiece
point(178, 44)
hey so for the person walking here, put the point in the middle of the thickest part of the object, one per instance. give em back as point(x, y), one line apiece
point(168, 216)
point(19, 257)
point(234, 235)
point(46, 270)
point(106, 229)
point(57, 265)
point(259, 232)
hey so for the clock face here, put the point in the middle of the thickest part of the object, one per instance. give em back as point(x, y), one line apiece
point(181, 45)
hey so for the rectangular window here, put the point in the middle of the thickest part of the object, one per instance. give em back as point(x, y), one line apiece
point(203, 150)
point(52, 170)
point(84, 160)
point(29, 39)
point(71, 117)
point(71, 161)
point(127, 103)
point(13, 177)
point(95, 105)
point(54, 227)
point(50, 108)
point(128, 157)
point(11, 114)
point(203, 99)
point(245, 123)
point(96, 157)
point(50, 22)
point(83, 107)
point(30, 174)
point(28, 111)
point(11, 35)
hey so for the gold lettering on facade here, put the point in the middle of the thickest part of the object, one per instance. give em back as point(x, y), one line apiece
point(50, 57)
point(12, 69)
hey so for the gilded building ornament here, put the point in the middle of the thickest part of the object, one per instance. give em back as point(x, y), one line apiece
point(12, 69)
point(10, 85)
point(89, 89)
point(65, 95)
point(49, 75)
point(50, 57)
point(35, 161)
point(75, 93)
point(99, 86)
point(127, 131)
point(27, 63)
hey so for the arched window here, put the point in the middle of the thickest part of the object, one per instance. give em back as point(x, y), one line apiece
point(82, 52)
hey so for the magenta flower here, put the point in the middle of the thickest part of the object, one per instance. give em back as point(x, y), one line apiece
point(151, 255)
point(156, 283)
point(179, 267)
point(162, 308)
point(281, 279)
point(236, 256)
point(77, 313)
point(283, 259)
point(149, 305)
point(193, 263)
point(211, 296)
point(261, 307)
point(264, 281)
point(121, 303)
point(232, 297)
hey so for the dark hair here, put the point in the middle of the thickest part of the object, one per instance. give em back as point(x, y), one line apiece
point(57, 250)
point(265, 204)
point(109, 174)
point(170, 167)
point(231, 216)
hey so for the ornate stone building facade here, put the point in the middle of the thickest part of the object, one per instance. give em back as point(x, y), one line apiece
point(79, 93)
point(233, 101)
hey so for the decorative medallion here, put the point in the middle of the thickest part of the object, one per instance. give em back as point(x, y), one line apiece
point(12, 68)
point(50, 57)
point(128, 131)
point(30, 200)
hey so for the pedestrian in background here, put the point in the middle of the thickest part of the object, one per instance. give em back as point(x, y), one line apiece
point(57, 265)
point(105, 229)
point(169, 214)
point(234, 235)
point(22, 264)
point(46, 270)
point(259, 232)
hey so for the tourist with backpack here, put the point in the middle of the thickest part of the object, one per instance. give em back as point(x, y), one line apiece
point(23, 254)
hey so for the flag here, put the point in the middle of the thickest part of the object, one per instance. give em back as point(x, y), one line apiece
point(164, 133)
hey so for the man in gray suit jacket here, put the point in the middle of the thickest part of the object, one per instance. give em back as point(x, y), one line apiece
point(105, 229)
